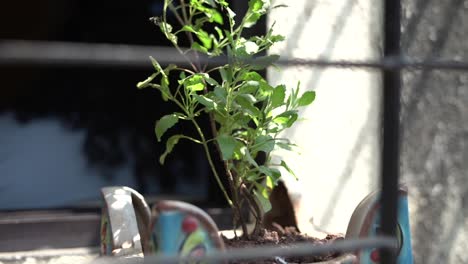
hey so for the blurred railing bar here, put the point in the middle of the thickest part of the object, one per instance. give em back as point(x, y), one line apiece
point(301, 249)
point(390, 158)
point(15, 52)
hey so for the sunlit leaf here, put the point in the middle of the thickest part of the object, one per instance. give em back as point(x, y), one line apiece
point(205, 39)
point(262, 196)
point(306, 98)
point(231, 13)
point(277, 98)
point(217, 17)
point(284, 165)
point(220, 33)
point(209, 103)
point(196, 46)
point(251, 47)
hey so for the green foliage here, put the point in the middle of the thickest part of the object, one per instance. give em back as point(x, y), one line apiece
point(247, 112)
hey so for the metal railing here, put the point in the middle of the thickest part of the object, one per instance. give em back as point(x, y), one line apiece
point(265, 252)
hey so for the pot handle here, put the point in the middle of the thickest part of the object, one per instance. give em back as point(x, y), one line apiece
point(125, 221)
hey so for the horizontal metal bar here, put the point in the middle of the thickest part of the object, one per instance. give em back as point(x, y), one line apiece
point(17, 52)
point(301, 249)
point(87, 54)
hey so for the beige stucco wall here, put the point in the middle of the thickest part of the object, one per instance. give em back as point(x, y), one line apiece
point(339, 160)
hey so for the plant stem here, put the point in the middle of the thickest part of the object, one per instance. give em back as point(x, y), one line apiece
point(210, 161)
point(254, 207)
point(189, 35)
point(234, 183)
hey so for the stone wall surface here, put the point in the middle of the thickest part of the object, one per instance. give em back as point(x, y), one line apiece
point(339, 164)
point(435, 130)
point(339, 144)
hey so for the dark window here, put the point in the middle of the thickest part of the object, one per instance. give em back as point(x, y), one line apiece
point(67, 131)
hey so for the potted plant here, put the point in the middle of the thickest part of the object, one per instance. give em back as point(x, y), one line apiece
point(247, 114)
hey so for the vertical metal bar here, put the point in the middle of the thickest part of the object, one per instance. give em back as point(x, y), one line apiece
point(391, 126)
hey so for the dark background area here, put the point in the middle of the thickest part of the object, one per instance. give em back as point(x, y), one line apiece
point(117, 119)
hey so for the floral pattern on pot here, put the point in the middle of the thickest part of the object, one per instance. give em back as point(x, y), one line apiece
point(183, 229)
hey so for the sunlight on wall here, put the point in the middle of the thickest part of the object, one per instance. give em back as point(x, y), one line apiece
point(339, 161)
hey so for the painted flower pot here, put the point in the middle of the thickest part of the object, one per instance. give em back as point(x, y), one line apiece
point(365, 222)
point(130, 229)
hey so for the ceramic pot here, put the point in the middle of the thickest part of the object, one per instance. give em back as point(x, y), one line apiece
point(130, 229)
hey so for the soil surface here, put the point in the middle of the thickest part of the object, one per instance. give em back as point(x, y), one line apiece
point(284, 239)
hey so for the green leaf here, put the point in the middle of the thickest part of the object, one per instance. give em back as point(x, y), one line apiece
point(226, 74)
point(269, 182)
point(210, 80)
point(220, 93)
point(262, 62)
point(204, 38)
point(170, 143)
point(210, 2)
point(231, 14)
point(156, 65)
point(169, 68)
point(220, 33)
point(217, 17)
point(248, 106)
point(277, 38)
point(246, 154)
point(250, 47)
point(252, 76)
point(227, 144)
point(164, 124)
point(146, 82)
point(286, 146)
point(306, 99)
point(259, 5)
point(166, 29)
point(164, 87)
point(196, 46)
point(264, 143)
point(257, 8)
point(209, 103)
point(196, 87)
point(286, 119)
point(249, 87)
point(253, 177)
point(284, 165)
point(278, 6)
point(262, 196)
point(277, 98)
point(194, 83)
point(222, 2)
point(187, 28)
point(272, 173)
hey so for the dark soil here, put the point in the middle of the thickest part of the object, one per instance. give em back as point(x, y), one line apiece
point(283, 239)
